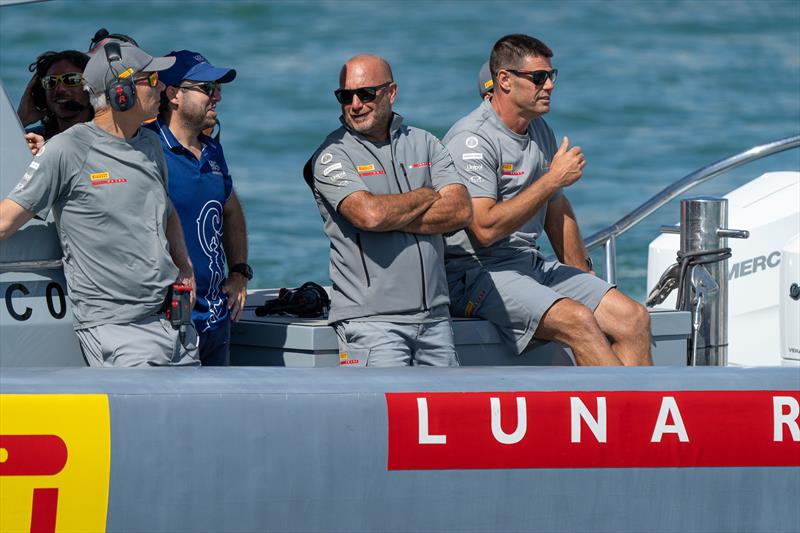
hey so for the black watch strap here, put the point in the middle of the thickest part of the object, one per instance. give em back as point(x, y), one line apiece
point(244, 269)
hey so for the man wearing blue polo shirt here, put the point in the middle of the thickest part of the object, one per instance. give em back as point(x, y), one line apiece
point(201, 189)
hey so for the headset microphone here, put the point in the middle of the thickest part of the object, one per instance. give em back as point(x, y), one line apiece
point(120, 93)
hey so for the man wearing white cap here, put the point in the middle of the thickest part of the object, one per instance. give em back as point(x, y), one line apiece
point(202, 192)
point(106, 181)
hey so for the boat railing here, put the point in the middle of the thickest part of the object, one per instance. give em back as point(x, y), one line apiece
point(25, 266)
point(607, 237)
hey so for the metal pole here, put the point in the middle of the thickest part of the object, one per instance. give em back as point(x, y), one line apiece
point(610, 249)
point(702, 218)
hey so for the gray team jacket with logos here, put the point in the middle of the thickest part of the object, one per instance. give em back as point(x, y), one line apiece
point(380, 273)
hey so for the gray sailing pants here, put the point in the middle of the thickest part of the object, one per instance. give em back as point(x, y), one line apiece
point(393, 344)
point(147, 342)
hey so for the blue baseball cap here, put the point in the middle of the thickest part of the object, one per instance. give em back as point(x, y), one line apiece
point(194, 67)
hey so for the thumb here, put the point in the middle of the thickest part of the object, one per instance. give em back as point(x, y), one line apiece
point(564, 145)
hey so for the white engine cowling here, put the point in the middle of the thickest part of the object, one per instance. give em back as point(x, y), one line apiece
point(790, 302)
point(768, 207)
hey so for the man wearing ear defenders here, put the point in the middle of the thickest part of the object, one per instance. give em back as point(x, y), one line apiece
point(386, 193)
point(106, 181)
point(202, 192)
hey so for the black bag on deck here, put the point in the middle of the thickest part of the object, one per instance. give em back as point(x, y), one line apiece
point(307, 301)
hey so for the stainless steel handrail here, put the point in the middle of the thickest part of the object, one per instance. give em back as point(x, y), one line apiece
point(607, 236)
point(26, 266)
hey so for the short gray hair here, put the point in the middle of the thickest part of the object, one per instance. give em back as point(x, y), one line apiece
point(98, 101)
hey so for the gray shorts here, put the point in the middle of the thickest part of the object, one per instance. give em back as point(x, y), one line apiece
point(148, 342)
point(515, 293)
point(392, 344)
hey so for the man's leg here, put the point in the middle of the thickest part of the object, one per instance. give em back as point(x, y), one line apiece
point(379, 344)
point(147, 342)
point(573, 324)
point(214, 346)
point(434, 345)
point(627, 324)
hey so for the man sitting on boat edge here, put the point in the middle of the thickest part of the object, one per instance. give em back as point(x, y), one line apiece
point(516, 173)
point(123, 246)
point(386, 192)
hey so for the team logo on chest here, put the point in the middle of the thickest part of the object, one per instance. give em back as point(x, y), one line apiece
point(368, 170)
point(104, 178)
point(215, 168)
point(508, 170)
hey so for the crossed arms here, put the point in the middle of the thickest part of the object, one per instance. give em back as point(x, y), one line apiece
point(422, 211)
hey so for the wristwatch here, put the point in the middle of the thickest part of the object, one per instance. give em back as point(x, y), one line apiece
point(589, 263)
point(244, 269)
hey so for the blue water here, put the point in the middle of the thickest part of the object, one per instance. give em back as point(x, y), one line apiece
point(650, 90)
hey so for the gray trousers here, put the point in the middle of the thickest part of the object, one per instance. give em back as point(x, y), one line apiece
point(395, 344)
point(148, 342)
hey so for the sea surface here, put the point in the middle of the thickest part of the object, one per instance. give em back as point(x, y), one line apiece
point(650, 90)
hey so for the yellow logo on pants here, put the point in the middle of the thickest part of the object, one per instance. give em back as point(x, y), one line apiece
point(55, 457)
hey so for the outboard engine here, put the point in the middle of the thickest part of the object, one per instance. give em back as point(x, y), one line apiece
point(767, 207)
point(790, 302)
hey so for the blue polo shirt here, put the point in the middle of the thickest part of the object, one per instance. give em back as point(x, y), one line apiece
point(199, 191)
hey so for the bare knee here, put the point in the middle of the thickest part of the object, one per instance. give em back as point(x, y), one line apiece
point(568, 321)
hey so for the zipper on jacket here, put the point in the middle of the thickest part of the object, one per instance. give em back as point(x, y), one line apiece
point(419, 248)
point(363, 261)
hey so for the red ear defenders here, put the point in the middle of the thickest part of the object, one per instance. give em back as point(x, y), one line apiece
point(120, 93)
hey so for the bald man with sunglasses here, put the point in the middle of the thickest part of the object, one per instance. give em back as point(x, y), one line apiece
point(386, 192)
point(516, 174)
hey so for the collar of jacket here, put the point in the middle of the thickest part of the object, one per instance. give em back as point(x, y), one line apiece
point(397, 122)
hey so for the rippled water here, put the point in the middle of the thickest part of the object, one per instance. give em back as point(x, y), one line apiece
point(650, 90)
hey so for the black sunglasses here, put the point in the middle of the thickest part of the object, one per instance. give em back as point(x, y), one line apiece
point(208, 88)
point(538, 77)
point(365, 94)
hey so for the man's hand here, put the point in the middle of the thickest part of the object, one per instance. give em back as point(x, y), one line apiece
point(236, 289)
point(35, 142)
point(567, 165)
point(26, 110)
point(186, 277)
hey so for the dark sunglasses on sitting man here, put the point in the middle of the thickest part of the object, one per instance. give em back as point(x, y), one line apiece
point(70, 79)
point(208, 88)
point(538, 77)
point(365, 94)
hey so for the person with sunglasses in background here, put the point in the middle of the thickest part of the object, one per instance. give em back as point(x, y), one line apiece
point(386, 192)
point(516, 173)
point(54, 97)
point(202, 192)
point(106, 181)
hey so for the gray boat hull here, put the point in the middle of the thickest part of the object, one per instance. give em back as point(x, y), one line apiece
point(267, 449)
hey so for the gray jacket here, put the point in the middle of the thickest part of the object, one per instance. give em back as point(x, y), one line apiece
point(380, 273)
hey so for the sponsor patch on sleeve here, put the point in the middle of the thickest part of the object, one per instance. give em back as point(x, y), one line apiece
point(331, 168)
